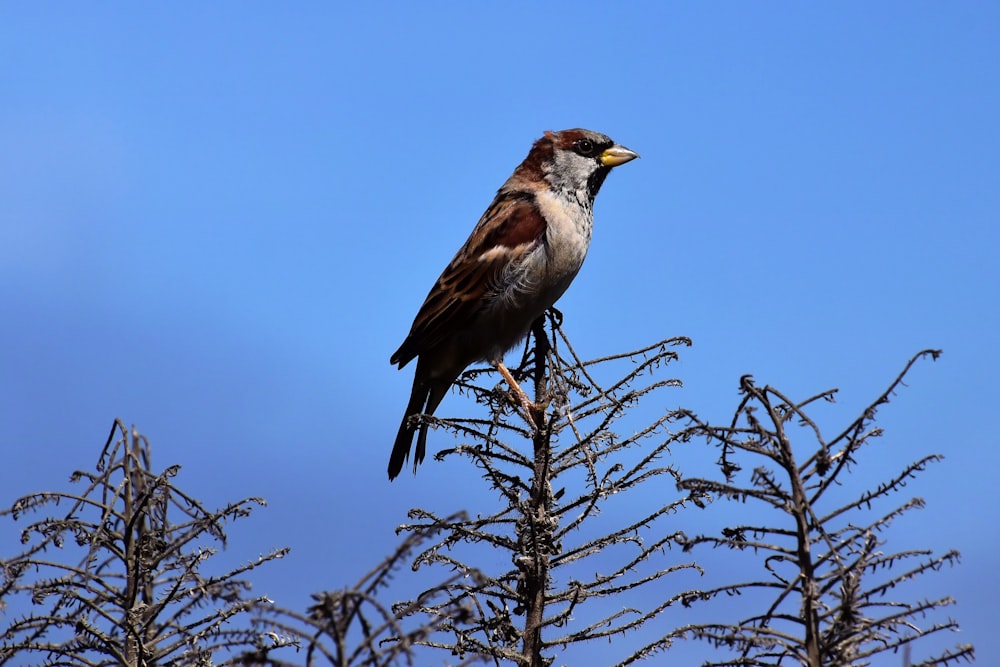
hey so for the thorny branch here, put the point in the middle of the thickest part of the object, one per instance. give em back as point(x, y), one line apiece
point(830, 605)
point(137, 595)
point(548, 500)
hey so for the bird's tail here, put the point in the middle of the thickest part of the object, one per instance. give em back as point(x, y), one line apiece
point(424, 399)
point(404, 438)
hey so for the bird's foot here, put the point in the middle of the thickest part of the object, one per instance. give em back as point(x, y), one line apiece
point(521, 398)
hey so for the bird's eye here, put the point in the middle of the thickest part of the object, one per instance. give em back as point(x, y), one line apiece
point(585, 147)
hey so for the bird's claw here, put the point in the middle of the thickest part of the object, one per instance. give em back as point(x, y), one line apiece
point(520, 397)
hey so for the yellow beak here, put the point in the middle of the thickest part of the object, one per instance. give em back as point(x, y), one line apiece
point(617, 155)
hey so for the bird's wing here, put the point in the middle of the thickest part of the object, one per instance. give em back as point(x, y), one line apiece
point(510, 228)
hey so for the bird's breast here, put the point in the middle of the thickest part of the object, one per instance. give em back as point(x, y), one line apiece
point(528, 287)
point(546, 271)
point(569, 225)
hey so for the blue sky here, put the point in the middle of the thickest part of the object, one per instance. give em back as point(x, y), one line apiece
point(217, 222)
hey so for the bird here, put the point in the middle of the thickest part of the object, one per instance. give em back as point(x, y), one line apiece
point(519, 259)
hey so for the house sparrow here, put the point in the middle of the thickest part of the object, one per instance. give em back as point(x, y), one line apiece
point(520, 258)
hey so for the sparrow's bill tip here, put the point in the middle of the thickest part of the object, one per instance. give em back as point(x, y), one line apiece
point(617, 155)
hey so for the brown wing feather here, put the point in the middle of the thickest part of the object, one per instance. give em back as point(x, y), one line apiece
point(511, 226)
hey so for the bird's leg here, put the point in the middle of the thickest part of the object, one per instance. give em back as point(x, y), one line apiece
point(522, 398)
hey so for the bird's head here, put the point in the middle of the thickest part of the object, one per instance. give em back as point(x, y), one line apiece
point(577, 160)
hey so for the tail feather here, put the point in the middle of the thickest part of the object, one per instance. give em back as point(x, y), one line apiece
point(404, 438)
point(425, 397)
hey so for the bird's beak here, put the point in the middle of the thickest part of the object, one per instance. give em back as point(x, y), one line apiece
point(617, 155)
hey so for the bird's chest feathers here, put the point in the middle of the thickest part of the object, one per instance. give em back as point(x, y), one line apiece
point(567, 233)
point(540, 276)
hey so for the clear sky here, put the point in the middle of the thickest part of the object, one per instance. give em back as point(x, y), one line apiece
point(217, 222)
